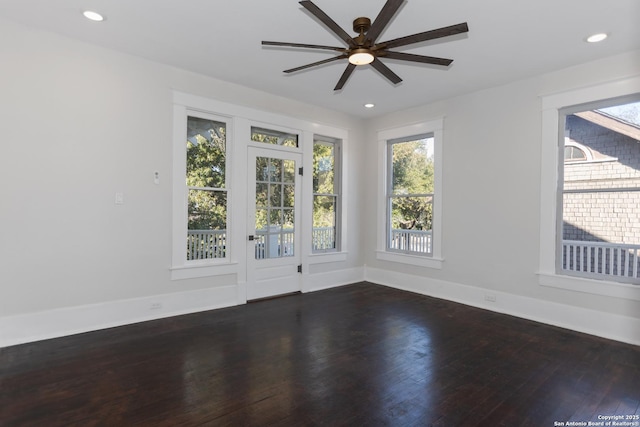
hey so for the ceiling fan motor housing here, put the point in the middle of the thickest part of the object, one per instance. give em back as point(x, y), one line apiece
point(361, 25)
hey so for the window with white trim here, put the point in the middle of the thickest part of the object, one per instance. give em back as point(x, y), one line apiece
point(409, 196)
point(201, 179)
point(554, 107)
point(410, 175)
point(206, 165)
point(600, 210)
point(326, 194)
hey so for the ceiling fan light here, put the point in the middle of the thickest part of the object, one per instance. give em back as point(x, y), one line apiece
point(361, 57)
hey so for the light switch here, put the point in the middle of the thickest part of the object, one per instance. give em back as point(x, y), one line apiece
point(156, 177)
point(119, 198)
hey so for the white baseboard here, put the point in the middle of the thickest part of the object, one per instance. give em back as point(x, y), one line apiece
point(43, 325)
point(331, 279)
point(602, 324)
point(62, 322)
point(73, 320)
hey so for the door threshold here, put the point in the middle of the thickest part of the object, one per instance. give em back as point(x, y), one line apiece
point(288, 294)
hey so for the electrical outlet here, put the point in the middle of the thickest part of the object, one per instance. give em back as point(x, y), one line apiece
point(490, 297)
point(155, 306)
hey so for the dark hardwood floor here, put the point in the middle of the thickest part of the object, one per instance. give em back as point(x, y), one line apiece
point(359, 355)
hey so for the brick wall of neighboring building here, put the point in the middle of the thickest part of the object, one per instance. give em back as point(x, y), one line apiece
point(610, 217)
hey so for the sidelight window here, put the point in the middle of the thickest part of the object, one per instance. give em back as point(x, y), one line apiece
point(326, 194)
point(206, 189)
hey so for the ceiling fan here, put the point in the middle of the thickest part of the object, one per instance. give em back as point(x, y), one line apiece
point(363, 49)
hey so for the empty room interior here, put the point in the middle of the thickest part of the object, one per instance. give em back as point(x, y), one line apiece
point(389, 212)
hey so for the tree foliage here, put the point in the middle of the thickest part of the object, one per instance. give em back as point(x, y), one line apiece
point(324, 209)
point(412, 185)
point(206, 169)
point(275, 193)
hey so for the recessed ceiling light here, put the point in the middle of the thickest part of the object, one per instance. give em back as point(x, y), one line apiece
point(595, 38)
point(369, 105)
point(94, 16)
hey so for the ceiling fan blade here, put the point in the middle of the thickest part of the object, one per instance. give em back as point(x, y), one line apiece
point(388, 10)
point(385, 71)
point(345, 76)
point(427, 35)
point(417, 58)
point(307, 46)
point(324, 61)
point(330, 23)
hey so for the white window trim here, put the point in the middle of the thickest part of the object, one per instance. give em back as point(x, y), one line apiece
point(336, 256)
point(337, 177)
point(435, 127)
point(551, 151)
point(181, 268)
point(240, 119)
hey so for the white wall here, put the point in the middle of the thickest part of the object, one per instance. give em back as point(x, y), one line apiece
point(491, 195)
point(79, 123)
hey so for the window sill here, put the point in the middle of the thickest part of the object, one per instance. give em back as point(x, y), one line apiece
point(203, 270)
point(590, 286)
point(323, 258)
point(429, 262)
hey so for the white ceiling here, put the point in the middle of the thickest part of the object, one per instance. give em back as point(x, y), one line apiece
point(508, 40)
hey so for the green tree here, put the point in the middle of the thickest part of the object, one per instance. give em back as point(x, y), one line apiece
point(323, 183)
point(206, 154)
point(412, 185)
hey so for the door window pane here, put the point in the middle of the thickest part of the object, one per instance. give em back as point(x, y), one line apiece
point(288, 198)
point(275, 215)
point(289, 171)
point(275, 191)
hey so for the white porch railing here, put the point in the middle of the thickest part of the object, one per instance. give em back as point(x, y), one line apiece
point(601, 259)
point(418, 241)
point(206, 244)
point(323, 238)
point(276, 244)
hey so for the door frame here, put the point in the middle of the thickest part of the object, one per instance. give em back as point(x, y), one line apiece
point(270, 277)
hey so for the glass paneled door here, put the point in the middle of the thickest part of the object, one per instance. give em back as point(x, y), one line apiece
point(274, 241)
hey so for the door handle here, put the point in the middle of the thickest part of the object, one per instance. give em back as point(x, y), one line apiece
point(251, 237)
